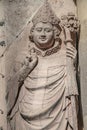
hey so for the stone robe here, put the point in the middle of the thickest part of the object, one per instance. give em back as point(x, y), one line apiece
point(43, 103)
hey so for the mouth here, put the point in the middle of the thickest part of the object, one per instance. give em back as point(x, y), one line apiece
point(43, 39)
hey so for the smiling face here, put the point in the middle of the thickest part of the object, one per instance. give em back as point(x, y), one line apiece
point(43, 35)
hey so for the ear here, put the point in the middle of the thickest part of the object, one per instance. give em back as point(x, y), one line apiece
point(57, 31)
point(32, 30)
point(31, 34)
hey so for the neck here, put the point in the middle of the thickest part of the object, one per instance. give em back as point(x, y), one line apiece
point(46, 46)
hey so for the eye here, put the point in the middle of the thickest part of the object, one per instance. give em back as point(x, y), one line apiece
point(38, 29)
point(48, 30)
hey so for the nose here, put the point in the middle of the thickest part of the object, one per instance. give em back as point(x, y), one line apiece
point(43, 34)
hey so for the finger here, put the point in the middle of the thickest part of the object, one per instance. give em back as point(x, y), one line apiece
point(71, 56)
point(71, 50)
point(26, 62)
point(71, 53)
point(28, 56)
point(33, 62)
point(34, 59)
point(71, 47)
point(32, 51)
point(33, 55)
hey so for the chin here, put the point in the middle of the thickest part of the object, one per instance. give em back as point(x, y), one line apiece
point(44, 46)
point(44, 42)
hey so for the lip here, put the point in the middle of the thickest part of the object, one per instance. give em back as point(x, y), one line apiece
point(43, 39)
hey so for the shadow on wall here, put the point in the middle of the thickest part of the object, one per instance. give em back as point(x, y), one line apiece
point(80, 111)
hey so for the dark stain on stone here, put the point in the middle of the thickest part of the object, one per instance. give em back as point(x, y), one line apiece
point(2, 43)
point(2, 23)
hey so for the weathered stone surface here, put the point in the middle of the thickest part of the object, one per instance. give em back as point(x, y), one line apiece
point(42, 70)
point(3, 120)
point(17, 14)
point(82, 9)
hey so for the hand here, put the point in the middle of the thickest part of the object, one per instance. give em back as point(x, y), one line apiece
point(29, 64)
point(71, 51)
point(31, 60)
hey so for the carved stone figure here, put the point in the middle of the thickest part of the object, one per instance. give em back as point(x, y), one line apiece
point(44, 88)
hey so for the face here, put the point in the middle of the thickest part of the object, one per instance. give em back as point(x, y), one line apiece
point(43, 35)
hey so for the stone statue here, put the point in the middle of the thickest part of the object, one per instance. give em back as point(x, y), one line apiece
point(44, 88)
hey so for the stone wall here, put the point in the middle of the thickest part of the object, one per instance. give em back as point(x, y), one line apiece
point(16, 14)
point(82, 14)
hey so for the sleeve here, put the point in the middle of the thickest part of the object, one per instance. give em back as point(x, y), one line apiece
point(13, 84)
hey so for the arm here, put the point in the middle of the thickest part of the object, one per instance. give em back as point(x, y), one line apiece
point(29, 64)
point(16, 82)
point(71, 34)
point(70, 58)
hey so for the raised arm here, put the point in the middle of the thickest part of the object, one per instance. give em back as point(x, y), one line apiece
point(15, 83)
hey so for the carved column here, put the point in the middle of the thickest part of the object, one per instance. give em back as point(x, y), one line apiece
point(82, 9)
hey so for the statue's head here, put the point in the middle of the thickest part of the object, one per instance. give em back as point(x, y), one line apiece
point(45, 28)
